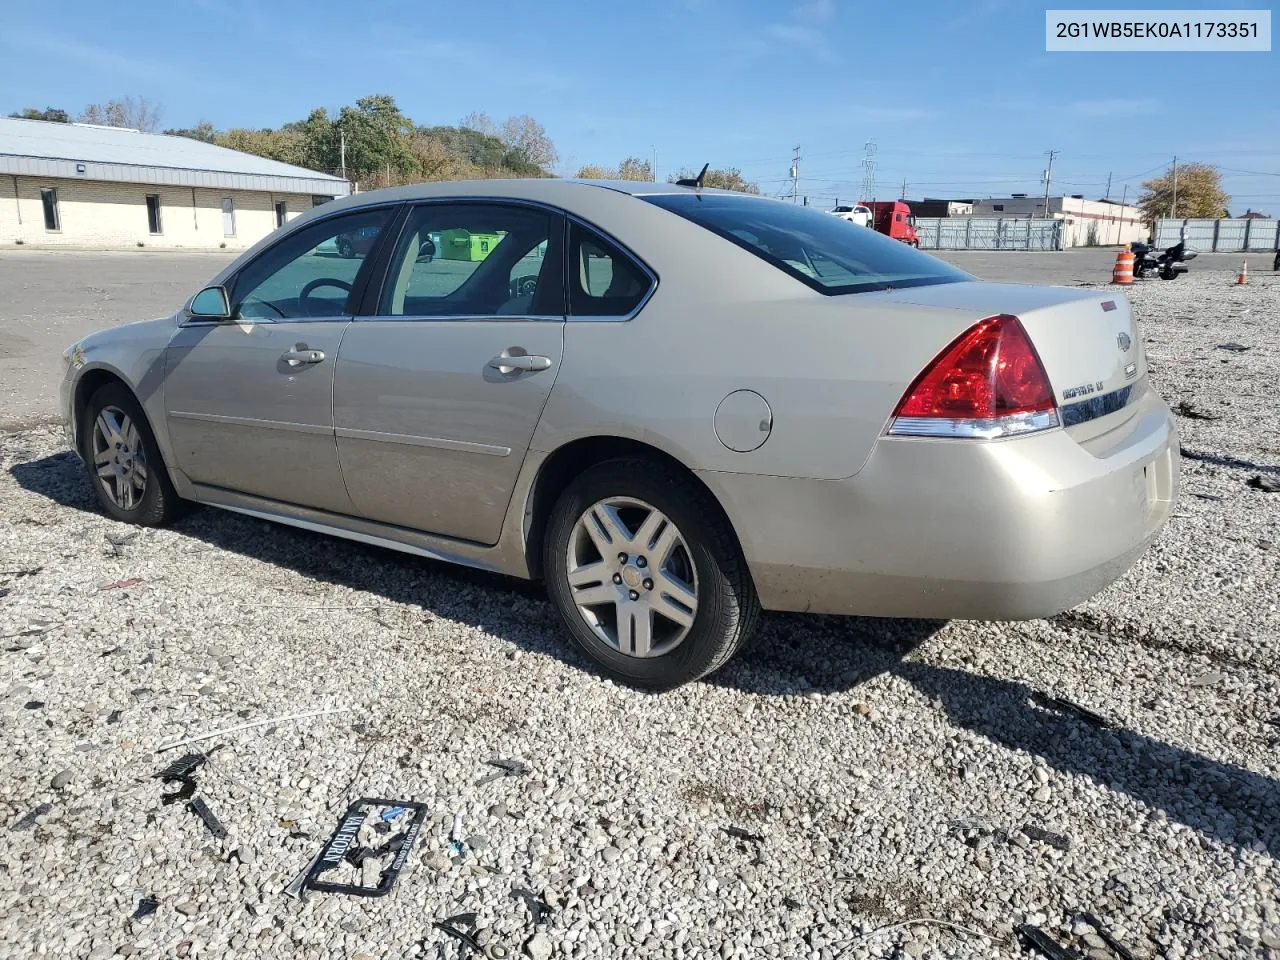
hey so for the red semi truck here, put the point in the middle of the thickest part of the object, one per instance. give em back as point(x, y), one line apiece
point(893, 218)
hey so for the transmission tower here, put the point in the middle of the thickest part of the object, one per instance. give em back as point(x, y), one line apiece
point(868, 171)
point(795, 172)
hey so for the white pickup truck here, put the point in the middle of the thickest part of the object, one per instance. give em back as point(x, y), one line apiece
point(859, 214)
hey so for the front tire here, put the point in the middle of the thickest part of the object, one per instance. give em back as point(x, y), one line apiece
point(123, 460)
point(647, 575)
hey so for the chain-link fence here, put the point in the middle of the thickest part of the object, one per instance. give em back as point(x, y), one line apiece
point(988, 233)
point(1221, 236)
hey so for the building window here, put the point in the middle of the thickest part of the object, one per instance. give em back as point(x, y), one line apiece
point(49, 199)
point(228, 217)
point(282, 211)
point(153, 213)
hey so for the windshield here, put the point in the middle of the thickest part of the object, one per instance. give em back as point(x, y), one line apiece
point(825, 252)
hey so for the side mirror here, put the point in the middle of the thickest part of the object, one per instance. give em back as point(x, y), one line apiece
point(211, 303)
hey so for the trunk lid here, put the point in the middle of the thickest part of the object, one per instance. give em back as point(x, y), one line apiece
point(1086, 339)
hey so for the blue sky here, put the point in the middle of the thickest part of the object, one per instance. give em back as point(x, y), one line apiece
point(961, 98)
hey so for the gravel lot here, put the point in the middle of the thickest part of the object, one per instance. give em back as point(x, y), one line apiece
point(889, 769)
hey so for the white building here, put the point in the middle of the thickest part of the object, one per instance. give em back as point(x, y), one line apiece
point(78, 185)
point(1086, 223)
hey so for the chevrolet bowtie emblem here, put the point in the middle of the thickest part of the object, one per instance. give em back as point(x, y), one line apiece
point(1123, 340)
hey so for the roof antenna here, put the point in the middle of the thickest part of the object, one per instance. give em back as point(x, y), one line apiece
point(696, 182)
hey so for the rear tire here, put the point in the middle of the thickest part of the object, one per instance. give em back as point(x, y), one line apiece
point(636, 492)
point(123, 460)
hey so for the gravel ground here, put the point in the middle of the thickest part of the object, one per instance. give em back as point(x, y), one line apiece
point(885, 771)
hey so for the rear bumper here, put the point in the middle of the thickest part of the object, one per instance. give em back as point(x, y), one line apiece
point(949, 529)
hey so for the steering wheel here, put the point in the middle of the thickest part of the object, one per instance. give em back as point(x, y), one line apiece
point(316, 284)
point(524, 286)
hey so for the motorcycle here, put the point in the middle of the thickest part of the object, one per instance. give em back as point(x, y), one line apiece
point(1169, 265)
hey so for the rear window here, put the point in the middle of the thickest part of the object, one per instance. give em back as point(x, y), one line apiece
point(829, 254)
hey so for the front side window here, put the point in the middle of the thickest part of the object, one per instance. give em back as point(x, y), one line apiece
point(49, 200)
point(476, 260)
point(818, 250)
point(153, 212)
point(604, 281)
point(304, 275)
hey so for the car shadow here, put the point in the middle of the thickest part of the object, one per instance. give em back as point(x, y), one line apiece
point(1232, 462)
point(792, 655)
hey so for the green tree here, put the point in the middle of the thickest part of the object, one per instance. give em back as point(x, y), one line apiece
point(377, 135)
point(49, 114)
point(633, 168)
point(203, 131)
point(287, 146)
point(726, 179)
point(1199, 193)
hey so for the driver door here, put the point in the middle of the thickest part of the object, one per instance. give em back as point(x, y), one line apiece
point(248, 401)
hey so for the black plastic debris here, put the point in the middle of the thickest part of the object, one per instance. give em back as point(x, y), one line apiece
point(1119, 948)
point(1233, 347)
point(1264, 483)
point(181, 768)
point(345, 839)
point(790, 903)
point(453, 926)
point(28, 819)
point(146, 907)
point(506, 768)
point(1205, 496)
point(739, 834)
point(1190, 412)
point(186, 790)
point(1040, 835)
point(1050, 947)
point(1069, 706)
point(201, 809)
point(114, 716)
point(33, 704)
point(537, 906)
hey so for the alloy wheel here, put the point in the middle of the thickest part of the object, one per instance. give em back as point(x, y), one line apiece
point(632, 577)
point(118, 457)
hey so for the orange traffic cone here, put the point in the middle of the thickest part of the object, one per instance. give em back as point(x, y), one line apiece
point(1122, 273)
point(1243, 276)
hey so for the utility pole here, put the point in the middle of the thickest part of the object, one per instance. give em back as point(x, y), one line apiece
point(1173, 211)
point(795, 172)
point(1108, 184)
point(1048, 179)
point(904, 188)
point(1123, 197)
point(342, 140)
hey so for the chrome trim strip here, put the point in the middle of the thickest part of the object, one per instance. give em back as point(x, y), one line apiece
point(439, 443)
point(428, 319)
point(1074, 414)
point(252, 422)
point(982, 429)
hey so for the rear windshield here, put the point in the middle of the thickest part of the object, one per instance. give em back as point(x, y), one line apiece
point(831, 255)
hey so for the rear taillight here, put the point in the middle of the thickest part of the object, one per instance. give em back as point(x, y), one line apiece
point(988, 383)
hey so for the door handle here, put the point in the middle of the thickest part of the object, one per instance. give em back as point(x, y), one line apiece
point(523, 362)
point(301, 356)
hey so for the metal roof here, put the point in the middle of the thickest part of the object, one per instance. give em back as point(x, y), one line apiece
point(73, 151)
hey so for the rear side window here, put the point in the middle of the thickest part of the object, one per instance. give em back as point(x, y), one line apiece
point(827, 253)
point(604, 281)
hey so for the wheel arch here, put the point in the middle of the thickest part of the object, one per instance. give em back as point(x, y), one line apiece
point(89, 383)
point(560, 467)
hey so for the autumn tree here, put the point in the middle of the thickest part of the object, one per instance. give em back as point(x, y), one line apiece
point(203, 131)
point(726, 179)
point(528, 140)
point(1199, 193)
point(49, 114)
point(633, 168)
point(136, 113)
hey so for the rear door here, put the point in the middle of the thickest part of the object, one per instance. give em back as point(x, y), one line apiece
point(438, 391)
point(248, 401)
